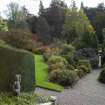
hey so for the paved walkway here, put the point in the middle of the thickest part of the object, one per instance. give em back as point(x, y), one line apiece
point(88, 91)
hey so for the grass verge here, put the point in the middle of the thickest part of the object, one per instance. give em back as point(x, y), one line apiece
point(42, 76)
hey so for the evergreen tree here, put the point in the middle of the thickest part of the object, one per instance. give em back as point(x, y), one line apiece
point(42, 30)
point(41, 8)
point(82, 6)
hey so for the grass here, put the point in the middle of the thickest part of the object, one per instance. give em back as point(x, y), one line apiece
point(42, 76)
point(23, 99)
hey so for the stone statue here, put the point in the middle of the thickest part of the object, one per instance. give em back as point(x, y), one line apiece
point(17, 85)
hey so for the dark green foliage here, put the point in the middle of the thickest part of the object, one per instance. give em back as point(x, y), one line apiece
point(88, 40)
point(42, 30)
point(14, 61)
point(89, 54)
point(54, 15)
point(32, 23)
point(97, 17)
point(102, 76)
point(64, 77)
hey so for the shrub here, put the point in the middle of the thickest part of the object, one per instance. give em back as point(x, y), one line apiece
point(84, 68)
point(85, 65)
point(64, 77)
point(68, 53)
point(56, 59)
point(19, 39)
point(38, 51)
point(102, 76)
point(94, 62)
point(80, 72)
point(89, 54)
point(46, 56)
point(56, 66)
point(14, 61)
point(70, 67)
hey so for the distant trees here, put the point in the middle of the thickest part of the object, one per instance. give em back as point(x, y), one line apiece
point(43, 30)
point(77, 28)
point(97, 17)
point(54, 16)
point(16, 16)
point(59, 22)
point(3, 25)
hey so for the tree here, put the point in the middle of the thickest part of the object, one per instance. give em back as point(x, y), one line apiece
point(75, 20)
point(41, 8)
point(78, 30)
point(82, 5)
point(3, 25)
point(97, 19)
point(55, 16)
point(42, 30)
point(73, 4)
point(16, 16)
point(32, 23)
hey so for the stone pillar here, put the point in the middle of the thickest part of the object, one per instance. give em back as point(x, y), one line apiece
point(100, 61)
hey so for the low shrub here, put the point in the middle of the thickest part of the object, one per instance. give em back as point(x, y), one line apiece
point(80, 72)
point(70, 67)
point(56, 66)
point(89, 54)
point(56, 59)
point(85, 65)
point(94, 62)
point(84, 68)
point(102, 76)
point(23, 99)
point(64, 77)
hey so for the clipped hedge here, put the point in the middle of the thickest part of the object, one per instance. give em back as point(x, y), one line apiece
point(14, 61)
point(101, 77)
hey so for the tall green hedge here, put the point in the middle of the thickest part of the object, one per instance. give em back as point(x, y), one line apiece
point(14, 61)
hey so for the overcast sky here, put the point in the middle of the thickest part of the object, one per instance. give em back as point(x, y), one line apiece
point(32, 5)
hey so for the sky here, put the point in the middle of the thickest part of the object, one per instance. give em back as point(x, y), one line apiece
point(33, 5)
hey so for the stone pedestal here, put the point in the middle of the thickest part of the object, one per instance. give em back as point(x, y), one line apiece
point(100, 62)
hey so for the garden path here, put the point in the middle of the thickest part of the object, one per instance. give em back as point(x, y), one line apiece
point(88, 91)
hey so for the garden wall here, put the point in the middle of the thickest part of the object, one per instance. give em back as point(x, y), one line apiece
point(14, 61)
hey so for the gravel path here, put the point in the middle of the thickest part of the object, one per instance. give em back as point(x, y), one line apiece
point(88, 91)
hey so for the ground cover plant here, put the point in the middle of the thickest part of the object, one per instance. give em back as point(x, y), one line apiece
point(23, 99)
point(42, 76)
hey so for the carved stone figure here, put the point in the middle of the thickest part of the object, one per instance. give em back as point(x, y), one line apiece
point(17, 85)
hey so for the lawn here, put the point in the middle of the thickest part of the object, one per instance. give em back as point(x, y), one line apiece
point(42, 76)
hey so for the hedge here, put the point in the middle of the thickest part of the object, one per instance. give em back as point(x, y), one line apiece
point(15, 61)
